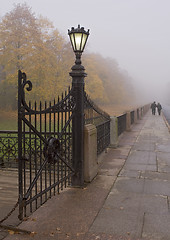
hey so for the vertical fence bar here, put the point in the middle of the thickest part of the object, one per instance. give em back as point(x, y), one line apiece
point(35, 149)
point(49, 165)
point(20, 146)
point(69, 138)
point(65, 141)
point(30, 153)
point(40, 151)
point(58, 162)
point(54, 122)
point(24, 162)
point(62, 144)
point(45, 129)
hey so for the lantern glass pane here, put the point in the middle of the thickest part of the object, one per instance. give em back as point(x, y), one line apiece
point(73, 41)
point(78, 37)
point(84, 38)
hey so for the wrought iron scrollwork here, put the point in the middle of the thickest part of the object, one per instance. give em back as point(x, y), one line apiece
point(8, 149)
point(67, 103)
point(23, 83)
point(26, 82)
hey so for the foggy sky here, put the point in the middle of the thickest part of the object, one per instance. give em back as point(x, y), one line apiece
point(136, 33)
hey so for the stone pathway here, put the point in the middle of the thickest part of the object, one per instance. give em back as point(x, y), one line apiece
point(8, 197)
point(128, 200)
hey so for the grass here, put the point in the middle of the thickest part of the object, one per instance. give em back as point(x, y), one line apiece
point(8, 120)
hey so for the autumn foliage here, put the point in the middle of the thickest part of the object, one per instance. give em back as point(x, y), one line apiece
point(34, 46)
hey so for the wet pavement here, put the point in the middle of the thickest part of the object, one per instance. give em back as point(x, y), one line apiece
point(8, 197)
point(128, 200)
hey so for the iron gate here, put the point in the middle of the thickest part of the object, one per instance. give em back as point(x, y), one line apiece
point(44, 147)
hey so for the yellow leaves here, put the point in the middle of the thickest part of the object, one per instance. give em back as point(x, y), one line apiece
point(11, 232)
point(43, 53)
point(52, 234)
point(33, 233)
point(58, 229)
point(44, 23)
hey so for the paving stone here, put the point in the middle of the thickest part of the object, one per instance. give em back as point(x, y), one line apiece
point(164, 168)
point(163, 148)
point(147, 138)
point(145, 146)
point(155, 175)
point(118, 222)
point(137, 202)
point(105, 236)
point(142, 157)
point(163, 157)
point(156, 227)
point(130, 173)
point(124, 184)
point(140, 167)
point(159, 187)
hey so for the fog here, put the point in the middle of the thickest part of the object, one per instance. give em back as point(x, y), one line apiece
point(135, 33)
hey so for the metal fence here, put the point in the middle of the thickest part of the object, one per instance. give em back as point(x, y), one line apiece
point(94, 115)
point(121, 124)
point(8, 149)
point(132, 117)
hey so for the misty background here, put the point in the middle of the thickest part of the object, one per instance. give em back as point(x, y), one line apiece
point(135, 33)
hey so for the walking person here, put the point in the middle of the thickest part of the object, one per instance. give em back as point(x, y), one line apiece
point(153, 107)
point(159, 107)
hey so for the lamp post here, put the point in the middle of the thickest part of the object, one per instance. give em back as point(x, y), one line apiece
point(78, 37)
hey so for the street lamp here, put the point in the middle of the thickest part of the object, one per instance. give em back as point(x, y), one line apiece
point(78, 37)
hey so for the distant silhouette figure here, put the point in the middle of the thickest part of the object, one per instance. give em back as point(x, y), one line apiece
point(153, 107)
point(159, 107)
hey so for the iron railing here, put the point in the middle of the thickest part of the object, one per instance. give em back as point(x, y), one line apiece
point(138, 116)
point(132, 117)
point(94, 115)
point(8, 149)
point(121, 124)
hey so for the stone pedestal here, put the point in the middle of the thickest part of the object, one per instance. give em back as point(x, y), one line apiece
point(113, 132)
point(90, 152)
point(128, 121)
